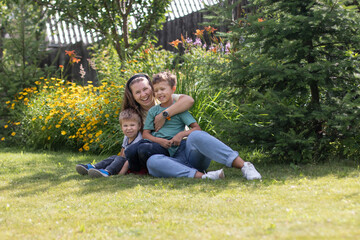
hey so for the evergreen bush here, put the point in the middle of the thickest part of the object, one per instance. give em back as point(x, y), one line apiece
point(295, 65)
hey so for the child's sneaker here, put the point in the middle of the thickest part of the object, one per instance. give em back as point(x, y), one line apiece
point(250, 172)
point(98, 173)
point(214, 175)
point(83, 169)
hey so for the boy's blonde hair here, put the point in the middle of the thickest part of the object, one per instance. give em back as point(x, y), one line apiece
point(130, 114)
point(165, 76)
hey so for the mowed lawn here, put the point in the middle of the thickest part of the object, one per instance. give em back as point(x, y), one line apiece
point(42, 197)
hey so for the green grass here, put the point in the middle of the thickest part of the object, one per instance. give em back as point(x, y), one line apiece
point(42, 197)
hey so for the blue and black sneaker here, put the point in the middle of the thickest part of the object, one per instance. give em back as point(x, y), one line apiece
point(83, 169)
point(98, 173)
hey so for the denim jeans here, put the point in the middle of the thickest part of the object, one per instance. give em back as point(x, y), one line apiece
point(138, 153)
point(112, 164)
point(194, 154)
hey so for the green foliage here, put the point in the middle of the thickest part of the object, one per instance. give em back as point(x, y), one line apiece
point(296, 69)
point(195, 68)
point(127, 25)
point(22, 47)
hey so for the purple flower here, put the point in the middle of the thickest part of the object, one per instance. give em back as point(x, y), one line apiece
point(227, 47)
point(198, 42)
point(189, 40)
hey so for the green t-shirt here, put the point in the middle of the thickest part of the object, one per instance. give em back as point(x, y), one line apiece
point(171, 127)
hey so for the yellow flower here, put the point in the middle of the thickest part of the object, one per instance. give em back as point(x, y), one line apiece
point(33, 119)
point(2, 139)
point(13, 133)
point(86, 147)
point(63, 132)
point(6, 126)
point(17, 123)
point(57, 126)
point(49, 138)
point(107, 115)
point(80, 149)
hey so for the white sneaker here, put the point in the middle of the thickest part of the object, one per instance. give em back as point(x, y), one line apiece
point(214, 175)
point(250, 172)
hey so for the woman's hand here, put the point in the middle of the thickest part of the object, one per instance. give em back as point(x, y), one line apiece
point(159, 121)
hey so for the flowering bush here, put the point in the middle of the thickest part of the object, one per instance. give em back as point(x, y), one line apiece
point(204, 60)
point(58, 114)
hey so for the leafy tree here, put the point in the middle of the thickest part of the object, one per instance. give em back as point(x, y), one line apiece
point(113, 20)
point(21, 47)
point(296, 67)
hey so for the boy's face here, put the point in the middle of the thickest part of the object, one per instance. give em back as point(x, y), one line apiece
point(130, 128)
point(163, 92)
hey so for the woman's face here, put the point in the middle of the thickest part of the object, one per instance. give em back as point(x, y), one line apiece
point(143, 94)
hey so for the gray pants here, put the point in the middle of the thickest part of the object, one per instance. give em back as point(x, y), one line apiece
point(112, 164)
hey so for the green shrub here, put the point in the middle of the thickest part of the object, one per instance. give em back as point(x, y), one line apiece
point(296, 72)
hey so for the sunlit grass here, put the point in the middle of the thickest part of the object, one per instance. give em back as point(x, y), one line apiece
point(42, 197)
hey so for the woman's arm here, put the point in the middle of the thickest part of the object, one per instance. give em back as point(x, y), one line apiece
point(178, 137)
point(184, 103)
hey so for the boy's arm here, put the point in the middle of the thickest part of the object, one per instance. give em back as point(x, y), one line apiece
point(122, 153)
point(124, 169)
point(184, 103)
point(162, 141)
point(178, 137)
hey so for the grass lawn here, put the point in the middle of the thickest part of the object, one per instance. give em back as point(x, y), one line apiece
point(42, 197)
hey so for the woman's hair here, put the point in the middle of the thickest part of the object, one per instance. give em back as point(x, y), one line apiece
point(129, 101)
point(131, 114)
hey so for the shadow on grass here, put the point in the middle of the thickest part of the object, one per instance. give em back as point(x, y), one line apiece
point(39, 173)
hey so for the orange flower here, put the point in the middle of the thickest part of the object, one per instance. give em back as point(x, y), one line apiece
point(175, 43)
point(183, 39)
point(70, 53)
point(61, 66)
point(210, 29)
point(199, 33)
point(75, 60)
point(260, 20)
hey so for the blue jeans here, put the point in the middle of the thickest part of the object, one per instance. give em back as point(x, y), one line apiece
point(138, 153)
point(194, 154)
point(112, 164)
